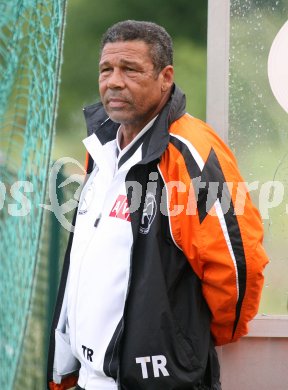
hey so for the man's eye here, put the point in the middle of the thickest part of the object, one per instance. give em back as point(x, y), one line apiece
point(105, 70)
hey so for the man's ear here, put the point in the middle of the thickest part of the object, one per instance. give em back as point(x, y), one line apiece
point(167, 75)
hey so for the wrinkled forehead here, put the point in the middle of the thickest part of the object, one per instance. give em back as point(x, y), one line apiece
point(120, 45)
point(136, 51)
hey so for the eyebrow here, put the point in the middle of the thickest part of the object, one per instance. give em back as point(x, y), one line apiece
point(122, 62)
point(127, 62)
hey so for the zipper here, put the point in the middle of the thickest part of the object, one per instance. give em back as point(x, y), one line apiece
point(123, 318)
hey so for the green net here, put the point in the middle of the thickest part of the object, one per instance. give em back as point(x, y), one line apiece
point(31, 36)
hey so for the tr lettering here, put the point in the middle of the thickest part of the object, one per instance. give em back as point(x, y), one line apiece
point(87, 353)
point(158, 364)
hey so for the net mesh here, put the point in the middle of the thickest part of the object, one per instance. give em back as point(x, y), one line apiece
point(31, 36)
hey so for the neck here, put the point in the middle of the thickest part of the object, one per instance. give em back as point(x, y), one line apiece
point(129, 131)
point(127, 134)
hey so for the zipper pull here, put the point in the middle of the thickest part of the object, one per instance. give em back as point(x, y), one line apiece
point(97, 220)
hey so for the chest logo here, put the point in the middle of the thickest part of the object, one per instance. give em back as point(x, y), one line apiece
point(149, 213)
point(121, 208)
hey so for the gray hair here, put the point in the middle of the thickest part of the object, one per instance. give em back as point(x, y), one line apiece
point(159, 41)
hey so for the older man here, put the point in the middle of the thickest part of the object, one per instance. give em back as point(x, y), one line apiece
point(166, 258)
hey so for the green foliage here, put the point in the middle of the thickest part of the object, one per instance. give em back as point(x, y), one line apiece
point(190, 75)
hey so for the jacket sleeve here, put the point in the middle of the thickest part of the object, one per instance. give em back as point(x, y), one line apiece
point(219, 230)
point(231, 255)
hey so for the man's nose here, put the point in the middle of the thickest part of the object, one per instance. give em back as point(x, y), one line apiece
point(115, 79)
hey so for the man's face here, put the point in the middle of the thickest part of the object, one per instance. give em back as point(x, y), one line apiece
point(131, 91)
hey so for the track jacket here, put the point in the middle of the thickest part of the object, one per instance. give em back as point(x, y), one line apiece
point(196, 260)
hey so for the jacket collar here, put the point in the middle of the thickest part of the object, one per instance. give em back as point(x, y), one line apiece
point(98, 122)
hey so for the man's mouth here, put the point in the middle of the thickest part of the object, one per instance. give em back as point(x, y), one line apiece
point(116, 102)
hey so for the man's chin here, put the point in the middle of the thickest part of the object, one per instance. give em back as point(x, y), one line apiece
point(117, 117)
